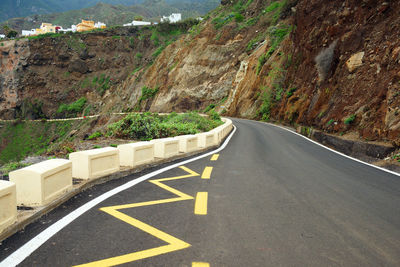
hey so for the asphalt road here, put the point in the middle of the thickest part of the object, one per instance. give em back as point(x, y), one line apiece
point(273, 199)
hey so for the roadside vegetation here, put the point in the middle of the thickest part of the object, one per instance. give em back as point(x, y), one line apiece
point(147, 126)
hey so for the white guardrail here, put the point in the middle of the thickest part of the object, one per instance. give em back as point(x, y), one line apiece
point(39, 184)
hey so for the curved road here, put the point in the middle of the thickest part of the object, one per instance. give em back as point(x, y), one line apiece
point(270, 198)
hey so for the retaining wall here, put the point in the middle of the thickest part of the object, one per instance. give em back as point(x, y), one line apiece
point(49, 183)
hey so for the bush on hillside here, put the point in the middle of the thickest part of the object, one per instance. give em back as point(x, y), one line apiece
point(149, 126)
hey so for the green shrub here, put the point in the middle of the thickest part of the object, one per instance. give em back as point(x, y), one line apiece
point(101, 83)
point(265, 109)
point(148, 126)
point(214, 115)
point(350, 119)
point(329, 123)
point(276, 34)
point(148, 93)
point(95, 135)
point(139, 56)
point(261, 61)
point(272, 6)
point(239, 17)
point(73, 108)
point(11, 166)
point(290, 92)
point(209, 107)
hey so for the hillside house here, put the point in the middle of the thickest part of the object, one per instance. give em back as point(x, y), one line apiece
point(2, 36)
point(85, 25)
point(46, 28)
point(72, 29)
point(29, 32)
point(137, 23)
point(174, 17)
point(88, 25)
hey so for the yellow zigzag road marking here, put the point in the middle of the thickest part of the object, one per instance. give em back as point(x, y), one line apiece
point(174, 243)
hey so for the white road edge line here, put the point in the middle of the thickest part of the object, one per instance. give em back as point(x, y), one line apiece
point(337, 152)
point(28, 248)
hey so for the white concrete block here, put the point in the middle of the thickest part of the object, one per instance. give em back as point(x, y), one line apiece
point(8, 204)
point(165, 147)
point(187, 143)
point(94, 163)
point(218, 134)
point(135, 154)
point(43, 182)
point(206, 139)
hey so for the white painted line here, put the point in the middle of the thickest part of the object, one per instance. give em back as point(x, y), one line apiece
point(23, 252)
point(337, 152)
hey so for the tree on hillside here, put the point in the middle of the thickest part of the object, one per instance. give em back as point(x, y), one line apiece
point(8, 32)
point(12, 34)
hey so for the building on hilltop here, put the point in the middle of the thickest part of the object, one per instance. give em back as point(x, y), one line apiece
point(72, 29)
point(29, 32)
point(85, 25)
point(88, 25)
point(137, 23)
point(100, 25)
point(46, 28)
point(174, 17)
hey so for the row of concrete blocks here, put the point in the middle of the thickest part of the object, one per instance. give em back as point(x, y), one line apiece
point(41, 183)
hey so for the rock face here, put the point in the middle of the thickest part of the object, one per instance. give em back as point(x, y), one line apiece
point(39, 75)
point(355, 61)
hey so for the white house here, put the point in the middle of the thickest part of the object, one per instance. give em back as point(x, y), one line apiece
point(2, 36)
point(29, 32)
point(137, 23)
point(100, 25)
point(72, 29)
point(174, 17)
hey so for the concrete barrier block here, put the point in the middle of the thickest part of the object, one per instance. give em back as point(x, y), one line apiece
point(94, 163)
point(187, 143)
point(206, 139)
point(218, 134)
point(43, 182)
point(8, 204)
point(165, 147)
point(135, 154)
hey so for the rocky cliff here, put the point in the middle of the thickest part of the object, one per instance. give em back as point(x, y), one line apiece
point(331, 65)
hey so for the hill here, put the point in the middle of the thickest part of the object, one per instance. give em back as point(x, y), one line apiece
point(330, 66)
point(114, 14)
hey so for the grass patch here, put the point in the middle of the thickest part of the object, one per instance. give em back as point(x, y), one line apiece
point(101, 83)
point(265, 109)
point(290, 92)
point(95, 135)
point(11, 166)
point(276, 34)
point(329, 123)
point(349, 120)
point(72, 109)
point(30, 138)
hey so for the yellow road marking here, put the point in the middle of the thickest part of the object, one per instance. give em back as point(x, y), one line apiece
point(174, 243)
point(207, 173)
point(214, 157)
point(200, 207)
point(200, 264)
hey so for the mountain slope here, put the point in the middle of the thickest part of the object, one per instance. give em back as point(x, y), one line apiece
point(332, 66)
point(114, 15)
point(21, 8)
